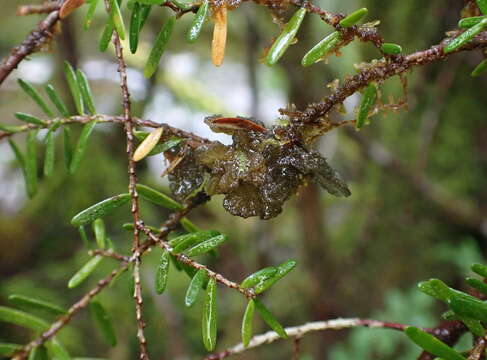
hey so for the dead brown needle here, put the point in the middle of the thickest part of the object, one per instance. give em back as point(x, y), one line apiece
point(219, 35)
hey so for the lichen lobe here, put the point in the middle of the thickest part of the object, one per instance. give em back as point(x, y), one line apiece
point(257, 173)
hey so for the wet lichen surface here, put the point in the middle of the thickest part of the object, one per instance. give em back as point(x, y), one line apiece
point(257, 173)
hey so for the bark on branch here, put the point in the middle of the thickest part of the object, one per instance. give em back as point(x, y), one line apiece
point(299, 331)
point(36, 39)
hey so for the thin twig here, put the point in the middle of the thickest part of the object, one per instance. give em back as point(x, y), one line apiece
point(180, 12)
point(109, 254)
point(329, 17)
point(296, 348)
point(129, 126)
point(34, 41)
point(168, 226)
point(47, 7)
point(248, 293)
point(169, 131)
point(73, 310)
point(299, 331)
point(381, 71)
point(44, 32)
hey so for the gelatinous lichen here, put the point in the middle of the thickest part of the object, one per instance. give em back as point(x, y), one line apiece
point(257, 173)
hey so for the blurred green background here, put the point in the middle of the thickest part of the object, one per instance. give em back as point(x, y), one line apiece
point(417, 178)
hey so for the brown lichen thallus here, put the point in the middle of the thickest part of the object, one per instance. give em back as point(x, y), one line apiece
point(257, 173)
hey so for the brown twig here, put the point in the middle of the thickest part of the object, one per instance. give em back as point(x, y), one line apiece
point(44, 32)
point(248, 293)
point(382, 70)
point(73, 310)
point(300, 331)
point(296, 348)
point(169, 131)
point(180, 12)
point(47, 7)
point(129, 126)
point(168, 226)
point(38, 37)
point(329, 17)
point(109, 254)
